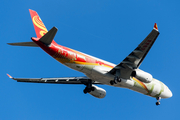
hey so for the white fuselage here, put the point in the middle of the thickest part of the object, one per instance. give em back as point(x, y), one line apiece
point(100, 73)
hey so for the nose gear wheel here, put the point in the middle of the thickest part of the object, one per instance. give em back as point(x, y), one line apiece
point(158, 99)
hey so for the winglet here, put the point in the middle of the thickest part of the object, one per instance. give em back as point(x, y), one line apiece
point(49, 36)
point(155, 27)
point(9, 76)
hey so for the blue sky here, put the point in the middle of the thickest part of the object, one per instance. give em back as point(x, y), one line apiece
point(109, 30)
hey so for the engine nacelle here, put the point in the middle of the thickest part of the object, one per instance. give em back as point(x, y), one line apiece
point(142, 76)
point(98, 92)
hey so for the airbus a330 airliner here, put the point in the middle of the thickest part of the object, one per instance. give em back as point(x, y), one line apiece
point(125, 74)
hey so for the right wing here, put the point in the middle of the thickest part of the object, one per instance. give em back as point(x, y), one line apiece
point(135, 58)
point(64, 80)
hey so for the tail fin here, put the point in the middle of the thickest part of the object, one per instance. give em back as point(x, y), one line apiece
point(38, 24)
point(42, 34)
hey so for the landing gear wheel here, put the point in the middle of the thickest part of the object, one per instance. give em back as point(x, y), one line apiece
point(85, 91)
point(115, 80)
point(157, 103)
point(119, 79)
point(92, 89)
point(158, 99)
point(112, 82)
point(88, 90)
point(89, 87)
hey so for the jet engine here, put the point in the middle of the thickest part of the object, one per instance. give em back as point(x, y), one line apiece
point(97, 92)
point(142, 76)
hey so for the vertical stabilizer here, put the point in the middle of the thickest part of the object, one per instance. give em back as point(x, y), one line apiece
point(39, 26)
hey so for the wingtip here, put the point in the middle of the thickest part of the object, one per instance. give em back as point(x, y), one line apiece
point(10, 43)
point(31, 10)
point(155, 26)
point(9, 76)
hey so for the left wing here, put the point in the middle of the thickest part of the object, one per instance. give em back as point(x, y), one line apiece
point(135, 58)
point(64, 80)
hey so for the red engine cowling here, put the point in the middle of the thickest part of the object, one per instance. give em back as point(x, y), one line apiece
point(98, 92)
point(142, 76)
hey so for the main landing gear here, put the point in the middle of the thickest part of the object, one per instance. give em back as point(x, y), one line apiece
point(89, 87)
point(158, 99)
point(115, 81)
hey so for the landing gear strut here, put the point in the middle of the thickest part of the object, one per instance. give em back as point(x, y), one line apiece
point(89, 87)
point(115, 81)
point(158, 99)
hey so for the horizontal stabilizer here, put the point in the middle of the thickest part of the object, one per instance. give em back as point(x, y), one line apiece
point(49, 36)
point(30, 44)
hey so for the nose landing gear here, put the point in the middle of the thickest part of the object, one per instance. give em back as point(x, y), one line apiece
point(158, 99)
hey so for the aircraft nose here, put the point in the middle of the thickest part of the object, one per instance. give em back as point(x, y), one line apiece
point(167, 93)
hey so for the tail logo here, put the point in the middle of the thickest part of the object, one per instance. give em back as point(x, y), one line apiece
point(38, 22)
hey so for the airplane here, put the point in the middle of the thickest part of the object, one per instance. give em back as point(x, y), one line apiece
point(98, 72)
